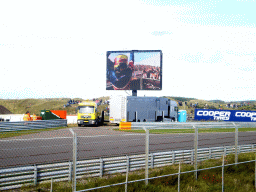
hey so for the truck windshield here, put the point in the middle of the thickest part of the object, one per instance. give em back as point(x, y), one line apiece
point(86, 109)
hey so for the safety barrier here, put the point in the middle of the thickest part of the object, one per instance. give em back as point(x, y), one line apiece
point(30, 125)
point(12, 178)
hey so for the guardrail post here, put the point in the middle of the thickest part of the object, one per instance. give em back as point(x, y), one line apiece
point(173, 157)
point(195, 146)
point(74, 160)
point(152, 160)
point(70, 171)
point(210, 153)
point(35, 175)
point(101, 167)
point(192, 156)
point(146, 155)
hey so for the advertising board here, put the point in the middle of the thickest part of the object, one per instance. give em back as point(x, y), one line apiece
point(225, 115)
point(134, 70)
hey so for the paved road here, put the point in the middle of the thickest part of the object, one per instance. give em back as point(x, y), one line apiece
point(56, 145)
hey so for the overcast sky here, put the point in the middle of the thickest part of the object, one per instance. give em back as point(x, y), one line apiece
point(57, 48)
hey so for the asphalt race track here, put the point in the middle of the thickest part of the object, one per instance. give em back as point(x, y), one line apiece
point(57, 145)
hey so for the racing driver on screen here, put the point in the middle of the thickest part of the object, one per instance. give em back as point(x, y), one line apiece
point(120, 75)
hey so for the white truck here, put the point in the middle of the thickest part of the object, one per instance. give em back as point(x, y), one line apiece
point(141, 109)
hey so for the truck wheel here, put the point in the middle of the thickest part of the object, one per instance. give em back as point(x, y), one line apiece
point(97, 123)
point(79, 125)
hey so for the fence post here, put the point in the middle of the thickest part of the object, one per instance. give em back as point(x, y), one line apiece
point(179, 179)
point(223, 162)
point(195, 146)
point(35, 175)
point(74, 160)
point(51, 185)
point(101, 167)
point(146, 155)
point(127, 172)
point(236, 144)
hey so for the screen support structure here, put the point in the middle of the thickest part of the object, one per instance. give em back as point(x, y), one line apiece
point(134, 93)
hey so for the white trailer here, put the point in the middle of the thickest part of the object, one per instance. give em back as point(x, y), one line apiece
point(141, 109)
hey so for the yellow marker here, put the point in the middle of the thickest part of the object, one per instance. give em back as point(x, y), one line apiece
point(125, 126)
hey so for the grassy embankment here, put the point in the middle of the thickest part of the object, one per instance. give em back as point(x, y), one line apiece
point(34, 106)
point(239, 179)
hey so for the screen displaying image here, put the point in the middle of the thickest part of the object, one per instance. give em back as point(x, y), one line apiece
point(134, 70)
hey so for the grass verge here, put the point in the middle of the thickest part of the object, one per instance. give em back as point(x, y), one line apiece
point(238, 178)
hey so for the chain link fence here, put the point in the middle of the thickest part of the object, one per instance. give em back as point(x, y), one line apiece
point(71, 154)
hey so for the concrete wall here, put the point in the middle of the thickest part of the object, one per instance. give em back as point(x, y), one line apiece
point(12, 117)
point(71, 119)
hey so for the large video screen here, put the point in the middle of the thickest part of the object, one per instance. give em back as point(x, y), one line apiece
point(134, 70)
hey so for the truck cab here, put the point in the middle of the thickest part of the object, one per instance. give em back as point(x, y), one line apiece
point(88, 114)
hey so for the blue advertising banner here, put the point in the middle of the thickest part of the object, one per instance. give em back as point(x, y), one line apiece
point(225, 115)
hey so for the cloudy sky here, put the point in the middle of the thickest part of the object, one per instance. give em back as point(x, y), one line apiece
point(57, 48)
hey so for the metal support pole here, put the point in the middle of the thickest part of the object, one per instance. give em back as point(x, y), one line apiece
point(146, 156)
point(127, 172)
point(195, 146)
point(255, 173)
point(101, 167)
point(51, 184)
point(179, 179)
point(74, 160)
point(35, 175)
point(223, 163)
point(236, 144)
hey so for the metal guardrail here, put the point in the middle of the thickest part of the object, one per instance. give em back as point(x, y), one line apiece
point(30, 125)
point(191, 125)
point(12, 178)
